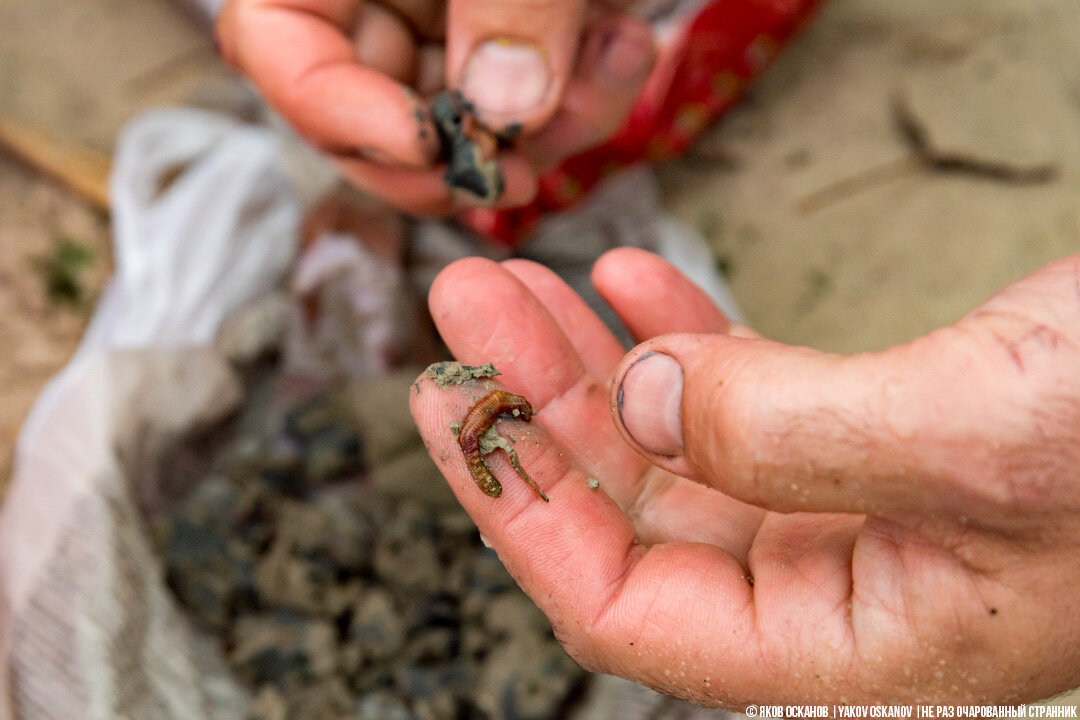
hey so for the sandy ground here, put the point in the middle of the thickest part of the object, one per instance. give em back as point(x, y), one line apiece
point(828, 238)
point(831, 232)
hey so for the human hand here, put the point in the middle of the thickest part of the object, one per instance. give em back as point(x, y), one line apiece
point(806, 527)
point(352, 78)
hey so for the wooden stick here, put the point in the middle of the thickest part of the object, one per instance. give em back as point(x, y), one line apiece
point(82, 169)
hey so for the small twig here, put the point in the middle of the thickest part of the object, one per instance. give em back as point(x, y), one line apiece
point(924, 156)
point(915, 133)
point(861, 181)
point(81, 168)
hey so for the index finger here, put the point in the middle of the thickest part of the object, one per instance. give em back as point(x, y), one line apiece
point(299, 55)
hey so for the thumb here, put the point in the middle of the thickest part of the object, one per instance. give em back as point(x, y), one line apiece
point(792, 429)
point(511, 58)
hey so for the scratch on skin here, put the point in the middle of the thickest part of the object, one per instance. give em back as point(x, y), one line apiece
point(1042, 335)
point(1010, 347)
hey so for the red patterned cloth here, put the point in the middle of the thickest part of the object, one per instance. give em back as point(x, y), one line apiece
point(714, 55)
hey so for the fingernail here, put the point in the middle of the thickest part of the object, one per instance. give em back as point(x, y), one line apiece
point(505, 79)
point(650, 403)
point(626, 56)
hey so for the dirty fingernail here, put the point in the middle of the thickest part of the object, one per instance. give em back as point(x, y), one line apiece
point(626, 57)
point(505, 79)
point(650, 403)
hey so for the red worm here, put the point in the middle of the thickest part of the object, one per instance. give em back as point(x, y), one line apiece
point(481, 416)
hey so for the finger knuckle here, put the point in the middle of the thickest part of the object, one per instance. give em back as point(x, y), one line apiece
point(1003, 412)
point(1037, 477)
point(580, 644)
point(1037, 447)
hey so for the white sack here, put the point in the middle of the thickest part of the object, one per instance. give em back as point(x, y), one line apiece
point(205, 221)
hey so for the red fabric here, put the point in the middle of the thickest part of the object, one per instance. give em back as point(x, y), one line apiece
point(720, 51)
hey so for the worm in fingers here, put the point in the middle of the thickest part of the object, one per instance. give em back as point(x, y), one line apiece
point(481, 416)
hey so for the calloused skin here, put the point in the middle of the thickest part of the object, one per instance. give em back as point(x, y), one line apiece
point(351, 76)
point(909, 517)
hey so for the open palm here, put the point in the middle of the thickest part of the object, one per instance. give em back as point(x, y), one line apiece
point(889, 567)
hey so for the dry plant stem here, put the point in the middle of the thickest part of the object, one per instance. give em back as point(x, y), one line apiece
point(924, 156)
point(918, 137)
point(481, 416)
point(868, 179)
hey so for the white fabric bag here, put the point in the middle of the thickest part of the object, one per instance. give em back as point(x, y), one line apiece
point(205, 222)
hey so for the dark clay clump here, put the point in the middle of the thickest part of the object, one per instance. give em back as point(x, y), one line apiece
point(468, 149)
point(341, 588)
